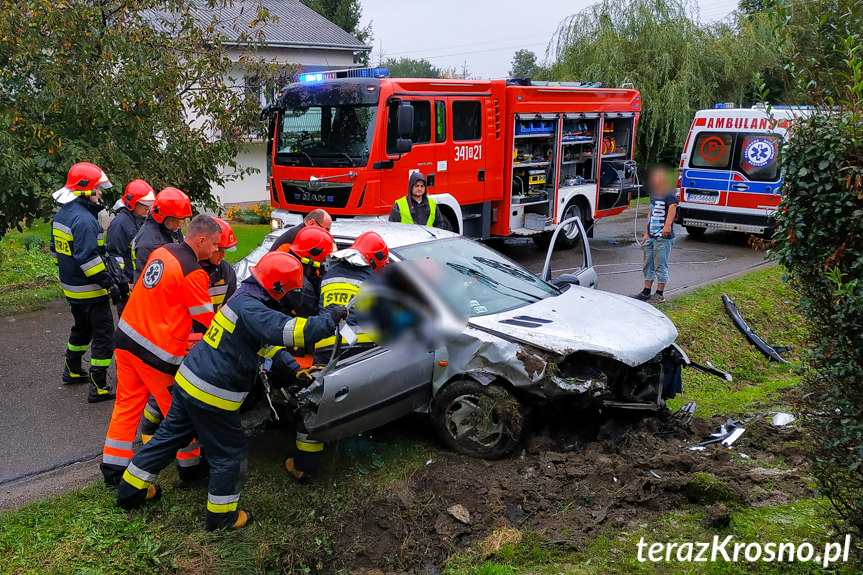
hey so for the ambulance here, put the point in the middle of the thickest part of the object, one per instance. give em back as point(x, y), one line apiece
point(729, 170)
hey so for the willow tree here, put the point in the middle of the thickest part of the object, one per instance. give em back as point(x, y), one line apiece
point(143, 88)
point(678, 64)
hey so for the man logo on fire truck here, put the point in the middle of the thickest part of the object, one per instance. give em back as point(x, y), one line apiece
point(501, 157)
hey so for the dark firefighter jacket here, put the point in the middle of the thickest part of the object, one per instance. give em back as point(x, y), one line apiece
point(77, 245)
point(150, 236)
point(223, 284)
point(339, 287)
point(118, 240)
point(219, 371)
point(284, 241)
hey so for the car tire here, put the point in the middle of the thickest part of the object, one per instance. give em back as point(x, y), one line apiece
point(564, 241)
point(483, 421)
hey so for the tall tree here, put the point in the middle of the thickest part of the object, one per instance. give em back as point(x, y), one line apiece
point(523, 65)
point(346, 14)
point(141, 88)
point(411, 68)
point(678, 65)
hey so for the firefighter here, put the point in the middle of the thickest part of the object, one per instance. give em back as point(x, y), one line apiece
point(161, 227)
point(340, 285)
point(151, 342)
point(135, 206)
point(212, 383)
point(223, 284)
point(311, 247)
point(77, 245)
point(417, 207)
point(319, 218)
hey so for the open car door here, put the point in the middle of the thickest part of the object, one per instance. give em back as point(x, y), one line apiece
point(577, 267)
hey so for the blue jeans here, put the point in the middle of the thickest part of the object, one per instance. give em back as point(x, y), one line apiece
point(656, 252)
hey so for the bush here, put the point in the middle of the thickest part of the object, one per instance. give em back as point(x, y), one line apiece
point(820, 243)
point(32, 241)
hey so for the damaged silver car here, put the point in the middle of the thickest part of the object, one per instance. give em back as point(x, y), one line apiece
point(506, 341)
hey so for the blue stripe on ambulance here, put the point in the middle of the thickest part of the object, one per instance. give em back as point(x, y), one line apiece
point(706, 179)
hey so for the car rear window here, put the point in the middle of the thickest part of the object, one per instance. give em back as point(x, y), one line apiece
point(712, 151)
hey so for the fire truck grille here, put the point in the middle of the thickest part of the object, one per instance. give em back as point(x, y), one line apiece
point(326, 195)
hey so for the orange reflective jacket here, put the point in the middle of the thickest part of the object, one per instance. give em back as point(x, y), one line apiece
point(172, 289)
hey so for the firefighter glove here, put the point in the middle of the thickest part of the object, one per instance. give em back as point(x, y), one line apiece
point(115, 294)
point(304, 375)
point(338, 312)
point(124, 289)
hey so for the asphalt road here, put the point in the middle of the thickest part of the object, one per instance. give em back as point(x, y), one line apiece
point(45, 426)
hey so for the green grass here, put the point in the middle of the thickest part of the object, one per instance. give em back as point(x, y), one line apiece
point(28, 277)
point(707, 334)
point(248, 238)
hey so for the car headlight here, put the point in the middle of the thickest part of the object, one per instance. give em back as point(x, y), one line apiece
point(275, 224)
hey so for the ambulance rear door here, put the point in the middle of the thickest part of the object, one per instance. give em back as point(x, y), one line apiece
point(706, 175)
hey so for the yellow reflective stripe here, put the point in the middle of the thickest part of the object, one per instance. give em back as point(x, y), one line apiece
point(309, 447)
point(152, 418)
point(270, 351)
point(134, 481)
point(100, 267)
point(217, 299)
point(338, 293)
point(299, 326)
point(77, 347)
point(331, 341)
point(100, 362)
point(224, 322)
point(62, 235)
point(204, 396)
point(85, 294)
point(221, 507)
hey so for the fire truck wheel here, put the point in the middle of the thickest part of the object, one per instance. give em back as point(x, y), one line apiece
point(695, 232)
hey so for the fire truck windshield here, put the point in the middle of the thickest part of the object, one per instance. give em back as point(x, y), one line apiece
point(326, 135)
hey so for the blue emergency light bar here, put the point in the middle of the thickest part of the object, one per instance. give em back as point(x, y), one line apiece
point(724, 106)
point(378, 72)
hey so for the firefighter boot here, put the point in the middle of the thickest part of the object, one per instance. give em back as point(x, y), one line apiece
point(302, 477)
point(153, 493)
point(99, 388)
point(244, 519)
point(72, 371)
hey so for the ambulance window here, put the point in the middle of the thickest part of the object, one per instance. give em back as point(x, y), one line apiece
point(712, 150)
point(422, 125)
point(466, 121)
point(757, 157)
point(440, 121)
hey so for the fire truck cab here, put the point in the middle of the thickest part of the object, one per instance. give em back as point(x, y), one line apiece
point(729, 169)
point(501, 157)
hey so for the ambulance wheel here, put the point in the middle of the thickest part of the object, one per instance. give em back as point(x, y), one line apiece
point(483, 421)
point(568, 237)
point(695, 232)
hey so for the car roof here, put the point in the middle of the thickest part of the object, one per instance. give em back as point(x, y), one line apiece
point(395, 235)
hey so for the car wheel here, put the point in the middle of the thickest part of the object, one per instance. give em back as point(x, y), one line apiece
point(568, 237)
point(695, 232)
point(484, 421)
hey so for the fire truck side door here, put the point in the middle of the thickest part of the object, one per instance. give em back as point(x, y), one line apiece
point(466, 159)
point(423, 154)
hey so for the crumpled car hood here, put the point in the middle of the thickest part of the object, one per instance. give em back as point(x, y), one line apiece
point(583, 319)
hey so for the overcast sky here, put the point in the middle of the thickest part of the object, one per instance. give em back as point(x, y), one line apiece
point(484, 33)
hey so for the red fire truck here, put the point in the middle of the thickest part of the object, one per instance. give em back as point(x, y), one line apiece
point(501, 157)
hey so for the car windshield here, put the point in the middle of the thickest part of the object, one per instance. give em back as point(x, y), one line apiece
point(476, 280)
point(332, 136)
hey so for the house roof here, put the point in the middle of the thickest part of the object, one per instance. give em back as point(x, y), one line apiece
point(297, 25)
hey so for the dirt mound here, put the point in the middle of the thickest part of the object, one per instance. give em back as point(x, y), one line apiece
point(566, 487)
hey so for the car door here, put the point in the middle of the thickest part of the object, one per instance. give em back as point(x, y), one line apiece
point(373, 388)
point(574, 265)
point(466, 160)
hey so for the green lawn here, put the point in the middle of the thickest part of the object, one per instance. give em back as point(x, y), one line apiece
point(248, 238)
point(83, 532)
